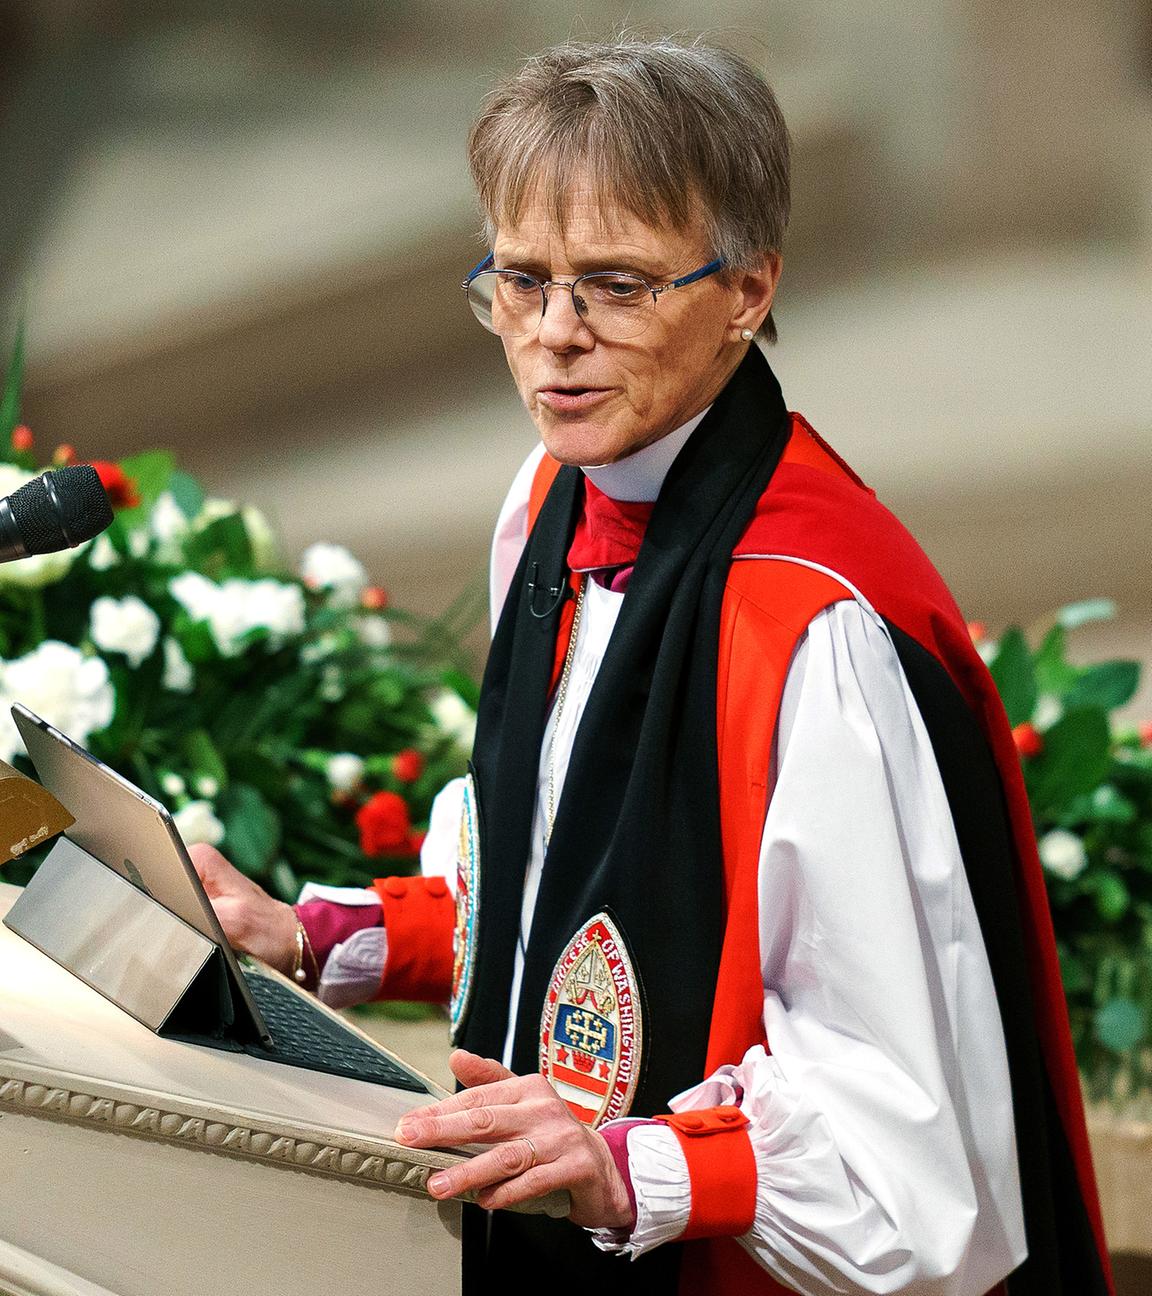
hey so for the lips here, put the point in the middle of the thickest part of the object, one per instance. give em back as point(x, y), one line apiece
point(571, 398)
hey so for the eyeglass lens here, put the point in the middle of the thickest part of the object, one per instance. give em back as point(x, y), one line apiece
point(614, 306)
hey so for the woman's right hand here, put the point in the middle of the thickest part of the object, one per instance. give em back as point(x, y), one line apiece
point(253, 921)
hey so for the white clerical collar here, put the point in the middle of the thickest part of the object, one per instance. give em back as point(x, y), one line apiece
point(638, 477)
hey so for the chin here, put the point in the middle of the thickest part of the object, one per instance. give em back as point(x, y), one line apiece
point(583, 445)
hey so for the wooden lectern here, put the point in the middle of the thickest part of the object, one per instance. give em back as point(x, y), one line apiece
point(132, 1165)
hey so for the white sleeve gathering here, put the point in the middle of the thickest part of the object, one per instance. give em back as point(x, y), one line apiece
point(881, 1120)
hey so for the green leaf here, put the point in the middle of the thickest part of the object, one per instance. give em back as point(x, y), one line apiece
point(1112, 897)
point(251, 829)
point(13, 385)
point(1108, 684)
point(465, 686)
point(1078, 614)
point(196, 639)
point(222, 545)
point(1076, 758)
point(151, 472)
point(1119, 1025)
point(1012, 670)
point(187, 493)
point(1074, 974)
point(284, 881)
point(203, 756)
point(1106, 805)
point(1053, 673)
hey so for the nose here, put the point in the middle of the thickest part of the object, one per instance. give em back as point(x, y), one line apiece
point(561, 326)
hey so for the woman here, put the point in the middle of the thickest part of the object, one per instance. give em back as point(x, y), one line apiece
point(762, 872)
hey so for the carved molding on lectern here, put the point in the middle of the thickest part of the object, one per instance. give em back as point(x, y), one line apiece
point(249, 1141)
point(407, 1173)
point(216, 1136)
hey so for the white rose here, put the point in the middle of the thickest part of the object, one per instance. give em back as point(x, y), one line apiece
point(195, 593)
point(344, 771)
point(126, 625)
point(261, 537)
point(195, 822)
point(238, 606)
point(12, 478)
point(103, 554)
point(1062, 853)
point(178, 674)
point(207, 786)
point(331, 567)
point(276, 607)
point(1048, 710)
point(454, 717)
point(373, 631)
point(212, 510)
point(172, 785)
point(168, 521)
point(61, 684)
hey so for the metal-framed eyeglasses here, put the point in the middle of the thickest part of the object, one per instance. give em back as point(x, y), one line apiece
point(615, 305)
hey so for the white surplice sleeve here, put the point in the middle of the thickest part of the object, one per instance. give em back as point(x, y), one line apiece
point(881, 1120)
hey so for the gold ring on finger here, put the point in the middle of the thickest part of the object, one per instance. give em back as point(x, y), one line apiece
point(532, 1147)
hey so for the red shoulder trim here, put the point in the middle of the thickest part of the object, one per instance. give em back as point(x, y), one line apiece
point(542, 480)
point(767, 606)
point(545, 475)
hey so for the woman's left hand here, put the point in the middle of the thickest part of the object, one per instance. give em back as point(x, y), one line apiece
point(539, 1146)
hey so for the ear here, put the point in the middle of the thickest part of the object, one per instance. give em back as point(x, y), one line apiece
point(755, 290)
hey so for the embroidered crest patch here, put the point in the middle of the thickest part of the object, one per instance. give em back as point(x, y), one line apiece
point(590, 1033)
point(467, 902)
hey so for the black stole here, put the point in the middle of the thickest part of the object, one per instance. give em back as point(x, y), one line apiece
point(637, 829)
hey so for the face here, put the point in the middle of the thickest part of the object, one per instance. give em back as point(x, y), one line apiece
point(595, 401)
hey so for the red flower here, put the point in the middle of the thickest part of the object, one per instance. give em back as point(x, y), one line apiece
point(374, 598)
point(1146, 734)
point(1028, 741)
point(385, 825)
point(121, 488)
point(22, 438)
point(407, 765)
point(64, 455)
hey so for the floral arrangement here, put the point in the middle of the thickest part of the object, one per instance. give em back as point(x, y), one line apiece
point(296, 720)
point(1090, 787)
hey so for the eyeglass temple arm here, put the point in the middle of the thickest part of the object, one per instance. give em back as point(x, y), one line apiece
point(702, 273)
point(477, 268)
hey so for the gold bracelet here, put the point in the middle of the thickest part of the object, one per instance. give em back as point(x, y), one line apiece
point(303, 942)
point(303, 931)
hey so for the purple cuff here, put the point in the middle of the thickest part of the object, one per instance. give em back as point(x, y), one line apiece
point(616, 1136)
point(329, 924)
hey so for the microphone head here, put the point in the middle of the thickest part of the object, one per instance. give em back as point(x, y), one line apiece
point(61, 509)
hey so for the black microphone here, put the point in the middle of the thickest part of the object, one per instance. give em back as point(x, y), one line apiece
point(57, 511)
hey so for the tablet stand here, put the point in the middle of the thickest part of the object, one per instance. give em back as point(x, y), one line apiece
point(121, 942)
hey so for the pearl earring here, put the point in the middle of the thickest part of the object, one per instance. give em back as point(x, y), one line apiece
point(747, 334)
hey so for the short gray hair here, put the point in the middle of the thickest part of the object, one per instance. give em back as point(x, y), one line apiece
point(673, 131)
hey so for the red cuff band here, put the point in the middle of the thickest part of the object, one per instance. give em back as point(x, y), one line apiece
point(419, 918)
point(721, 1170)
